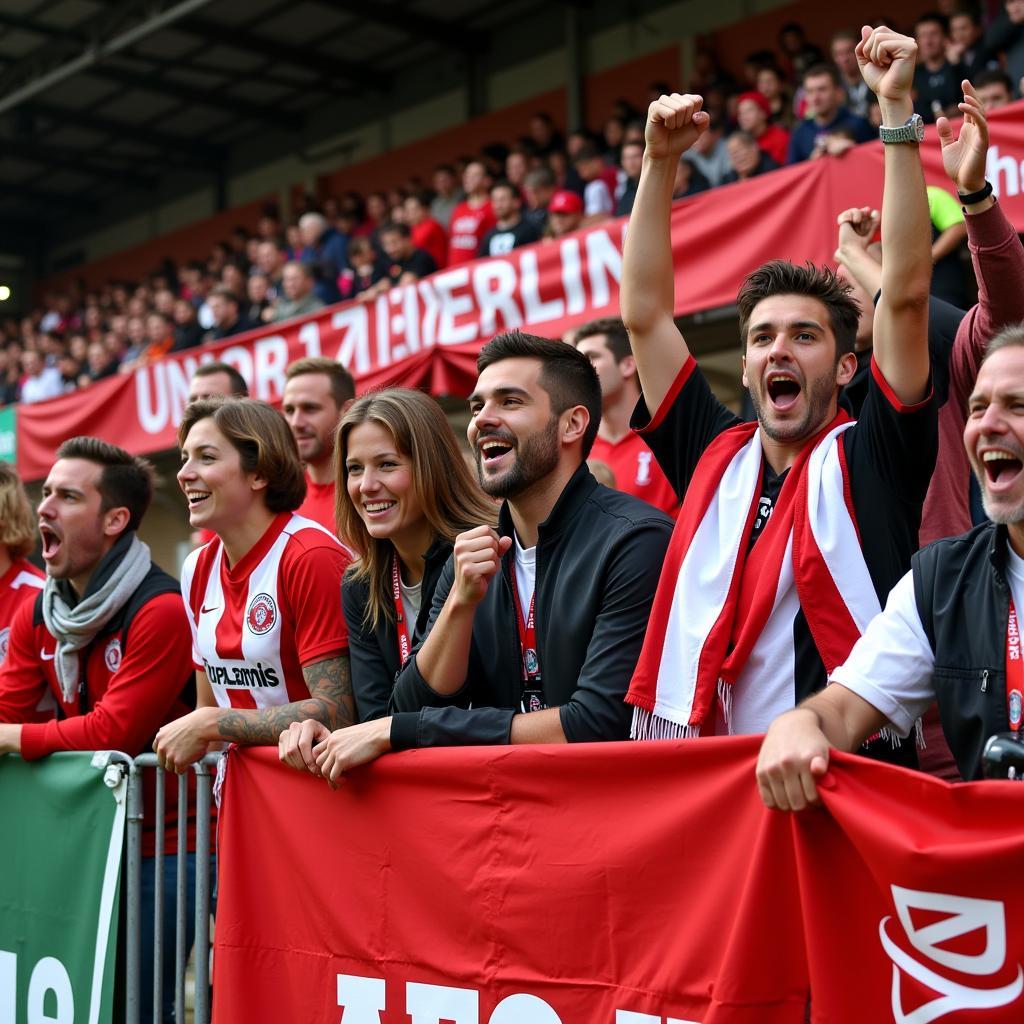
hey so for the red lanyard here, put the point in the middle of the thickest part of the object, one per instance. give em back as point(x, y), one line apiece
point(404, 645)
point(527, 635)
point(1014, 672)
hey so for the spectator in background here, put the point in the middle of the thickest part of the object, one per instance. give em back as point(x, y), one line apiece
point(472, 218)
point(187, 330)
point(632, 162)
point(259, 307)
point(364, 269)
point(99, 364)
point(772, 85)
point(317, 392)
point(689, 181)
point(949, 236)
point(159, 335)
point(936, 81)
point(20, 580)
point(539, 188)
point(137, 340)
point(546, 138)
point(225, 307)
point(447, 194)
point(212, 379)
point(747, 158)
point(70, 369)
point(994, 88)
point(799, 52)
point(598, 203)
point(565, 213)
point(517, 166)
point(40, 381)
point(270, 262)
point(633, 466)
point(403, 262)
point(9, 376)
point(826, 114)
point(510, 230)
point(298, 292)
point(752, 114)
point(844, 56)
point(1006, 35)
point(966, 48)
point(427, 233)
point(709, 156)
point(324, 251)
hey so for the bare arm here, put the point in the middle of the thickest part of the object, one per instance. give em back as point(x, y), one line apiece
point(538, 727)
point(647, 296)
point(900, 342)
point(795, 751)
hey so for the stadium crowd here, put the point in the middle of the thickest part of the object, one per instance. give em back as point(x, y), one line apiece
point(800, 101)
point(361, 590)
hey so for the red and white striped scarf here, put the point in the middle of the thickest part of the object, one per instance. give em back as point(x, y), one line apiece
point(716, 593)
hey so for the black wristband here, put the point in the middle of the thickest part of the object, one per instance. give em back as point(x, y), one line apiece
point(976, 197)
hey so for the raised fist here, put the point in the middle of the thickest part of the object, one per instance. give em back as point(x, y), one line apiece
point(674, 123)
point(887, 62)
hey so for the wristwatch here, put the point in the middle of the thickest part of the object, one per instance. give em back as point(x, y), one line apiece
point(911, 131)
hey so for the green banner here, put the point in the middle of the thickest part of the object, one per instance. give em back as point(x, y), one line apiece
point(9, 434)
point(60, 857)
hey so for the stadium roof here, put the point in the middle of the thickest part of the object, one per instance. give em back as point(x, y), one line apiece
point(103, 101)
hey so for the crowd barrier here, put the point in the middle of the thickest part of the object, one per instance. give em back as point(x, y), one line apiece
point(72, 822)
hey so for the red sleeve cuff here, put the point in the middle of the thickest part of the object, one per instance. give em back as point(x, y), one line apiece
point(34, 740)
point(890, 395)
point(673, 393)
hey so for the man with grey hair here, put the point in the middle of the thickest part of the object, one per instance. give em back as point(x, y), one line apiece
point(325, 252)
point(949, 631)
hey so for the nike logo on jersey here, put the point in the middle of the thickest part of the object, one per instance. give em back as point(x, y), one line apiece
point(212, 608)
point(47, 657)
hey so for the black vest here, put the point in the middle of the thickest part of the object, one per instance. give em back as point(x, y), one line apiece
point(964, 603)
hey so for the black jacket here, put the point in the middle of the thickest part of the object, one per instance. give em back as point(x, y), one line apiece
point(599, 556)
point(374, 653)
point(964, 603)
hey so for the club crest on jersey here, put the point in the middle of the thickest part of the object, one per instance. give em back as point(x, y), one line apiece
point(5, 634)
point(112, 655)
point(262, 614)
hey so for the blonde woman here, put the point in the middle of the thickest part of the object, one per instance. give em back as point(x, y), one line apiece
point(20, 580)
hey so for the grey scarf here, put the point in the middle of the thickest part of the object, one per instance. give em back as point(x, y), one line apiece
point(114, 580)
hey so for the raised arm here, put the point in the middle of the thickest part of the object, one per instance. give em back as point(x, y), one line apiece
point(647, 296)
point(854, 249)
point(900, 343)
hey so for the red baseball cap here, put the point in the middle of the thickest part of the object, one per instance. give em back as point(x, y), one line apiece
point(756, 97)
point(564, 201)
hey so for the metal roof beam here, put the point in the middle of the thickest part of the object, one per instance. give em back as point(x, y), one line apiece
point(78, 160)
point(448, 35)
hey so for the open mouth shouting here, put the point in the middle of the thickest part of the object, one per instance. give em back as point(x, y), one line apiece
point(52, 541)
point(494, 450)
point(783, 389)
point(1002, 468)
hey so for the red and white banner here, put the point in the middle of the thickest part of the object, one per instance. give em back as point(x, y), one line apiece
point(427, 335)
point(614, 884)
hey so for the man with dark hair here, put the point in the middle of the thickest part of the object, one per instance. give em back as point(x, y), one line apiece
point(793, 528)
point(212, 379)
point(472, 218)
point(317, 392)
point(843, 51)
point(225, 307)
point(536, 626)
point(511, 229)
point(102, 657)
point(826, 114)
point(539, 187)
point(606, 344)
point(994, 88)
point(949, 631)
point(936, 81)
point(631, 160)
point(403, 262)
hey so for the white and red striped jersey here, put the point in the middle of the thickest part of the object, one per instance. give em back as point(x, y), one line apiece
point(21, 582)
point(255, 624)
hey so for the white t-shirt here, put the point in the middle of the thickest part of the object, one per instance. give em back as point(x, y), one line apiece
point(412, 597)
point(526, 575)
point(891, 665)
point(597, 198)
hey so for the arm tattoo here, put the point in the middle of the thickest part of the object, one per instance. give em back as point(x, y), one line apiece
point(330, 703)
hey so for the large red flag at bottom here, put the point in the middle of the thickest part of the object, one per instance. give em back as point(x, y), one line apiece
point(622, 883)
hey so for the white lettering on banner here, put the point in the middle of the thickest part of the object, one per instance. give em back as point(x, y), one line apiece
point(454, 306)
point(431, 308)
point(572, 276)
point(407, 323)
point(431, 1004)
point(179, 376)
point(523, 1009)
point(604, 262)
point(362, 999)
point(271, 358)
point(1005, 172)
point(495, 286)
point(50, 975)
point(383, 317)
point(240, 358)
point(963, 916)
point(535, 310)
point(354, 351)
point(151, 398)
point(309, 338)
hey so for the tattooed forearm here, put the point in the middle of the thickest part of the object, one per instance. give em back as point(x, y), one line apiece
point(330, 703)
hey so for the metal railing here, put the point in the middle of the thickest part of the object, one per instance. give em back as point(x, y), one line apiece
point(204, 771)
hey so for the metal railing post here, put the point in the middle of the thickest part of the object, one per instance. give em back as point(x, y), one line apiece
point(159, 816)
point(181, 908)
point(202, 939)
point(134, 895)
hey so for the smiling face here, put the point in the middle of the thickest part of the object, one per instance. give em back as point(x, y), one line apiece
point(994, 434)
point(512, 431)
point(220, 493)
point(379, 481)
point(790, 366)
point(312, 415)
point(75, 532)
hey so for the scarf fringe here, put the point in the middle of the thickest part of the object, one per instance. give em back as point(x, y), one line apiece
point(649, 726)
point(895, 741)
point(725, 703)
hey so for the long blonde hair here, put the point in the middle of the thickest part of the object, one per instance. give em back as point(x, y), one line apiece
point(449, 496)
point(17, 524)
